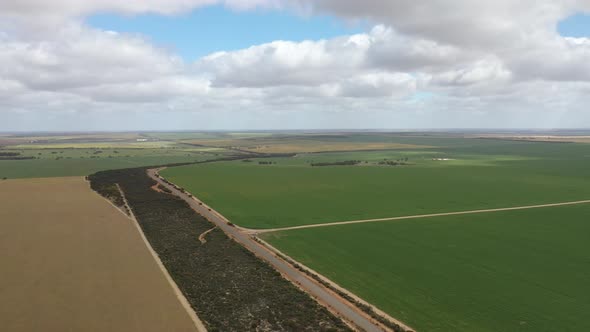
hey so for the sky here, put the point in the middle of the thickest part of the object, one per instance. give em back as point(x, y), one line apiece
point(69, 65)
point(214, 29)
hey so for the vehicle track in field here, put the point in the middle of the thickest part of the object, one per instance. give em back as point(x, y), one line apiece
point(202, 238)
point(351, 222)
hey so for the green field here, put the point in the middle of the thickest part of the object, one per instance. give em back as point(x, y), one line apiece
point(479, 174)
point(14, 169)
point(60, 156)
point(522, 270)
point(525, 270)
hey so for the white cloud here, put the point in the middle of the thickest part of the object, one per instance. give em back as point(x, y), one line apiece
point(379, 85)
point(94, 63)
point(488, 71)
point(287, 63)
point(157, 90)
point(69, 8)
point(459, 22)
point(560, 59)
point(479, 62)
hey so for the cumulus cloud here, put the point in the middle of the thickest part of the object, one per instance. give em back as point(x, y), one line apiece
point(459, 22)
point(488, 71)
point(479, 58)
point(522, 34)
point(563, 59)
point(287, 63)
point(95, 64)
point(69, 8)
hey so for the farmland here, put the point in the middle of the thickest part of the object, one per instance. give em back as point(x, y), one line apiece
point(518, 270)
point(79, 155)
point(477, 174)
point(72, 262)
point(298, 145)
point(522, 270)
point(504, 271)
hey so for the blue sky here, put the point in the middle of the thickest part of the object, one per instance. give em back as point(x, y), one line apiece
point(575, 26)
point(216, 28)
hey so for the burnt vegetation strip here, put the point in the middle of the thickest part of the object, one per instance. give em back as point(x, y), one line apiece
point(229, 287)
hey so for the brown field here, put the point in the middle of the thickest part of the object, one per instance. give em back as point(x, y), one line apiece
point(265, 145)
point(72, 262)
point(540, 138)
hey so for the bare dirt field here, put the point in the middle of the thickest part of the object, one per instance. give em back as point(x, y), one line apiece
point(72, 262)
point(539, 138)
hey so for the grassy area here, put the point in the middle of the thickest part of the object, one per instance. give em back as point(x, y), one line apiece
point(464, 175)
point(96, 145)
point(80, 162)
point(505, 271)
point(78, 155)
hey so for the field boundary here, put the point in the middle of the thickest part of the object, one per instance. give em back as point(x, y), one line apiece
point(361, 304)
point(106, 199)
point(363, 221)
point(181, 298)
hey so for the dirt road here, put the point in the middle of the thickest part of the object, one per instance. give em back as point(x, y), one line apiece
point(339, 223)
point(328, 298)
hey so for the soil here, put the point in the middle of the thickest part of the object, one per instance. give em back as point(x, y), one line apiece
point(75, 263)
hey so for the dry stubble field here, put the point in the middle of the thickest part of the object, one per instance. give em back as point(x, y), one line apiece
point(72, 262)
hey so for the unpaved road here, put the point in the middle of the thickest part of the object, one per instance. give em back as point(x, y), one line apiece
point(328, 298)
point(339, 223)
point(72, 262)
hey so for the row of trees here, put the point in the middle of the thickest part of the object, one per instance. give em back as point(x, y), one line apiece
point(9, 154)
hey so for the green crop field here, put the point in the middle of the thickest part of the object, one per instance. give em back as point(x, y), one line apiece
point(59, 156)
point(36, 168)
point(457, 175)
point(522, 270)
